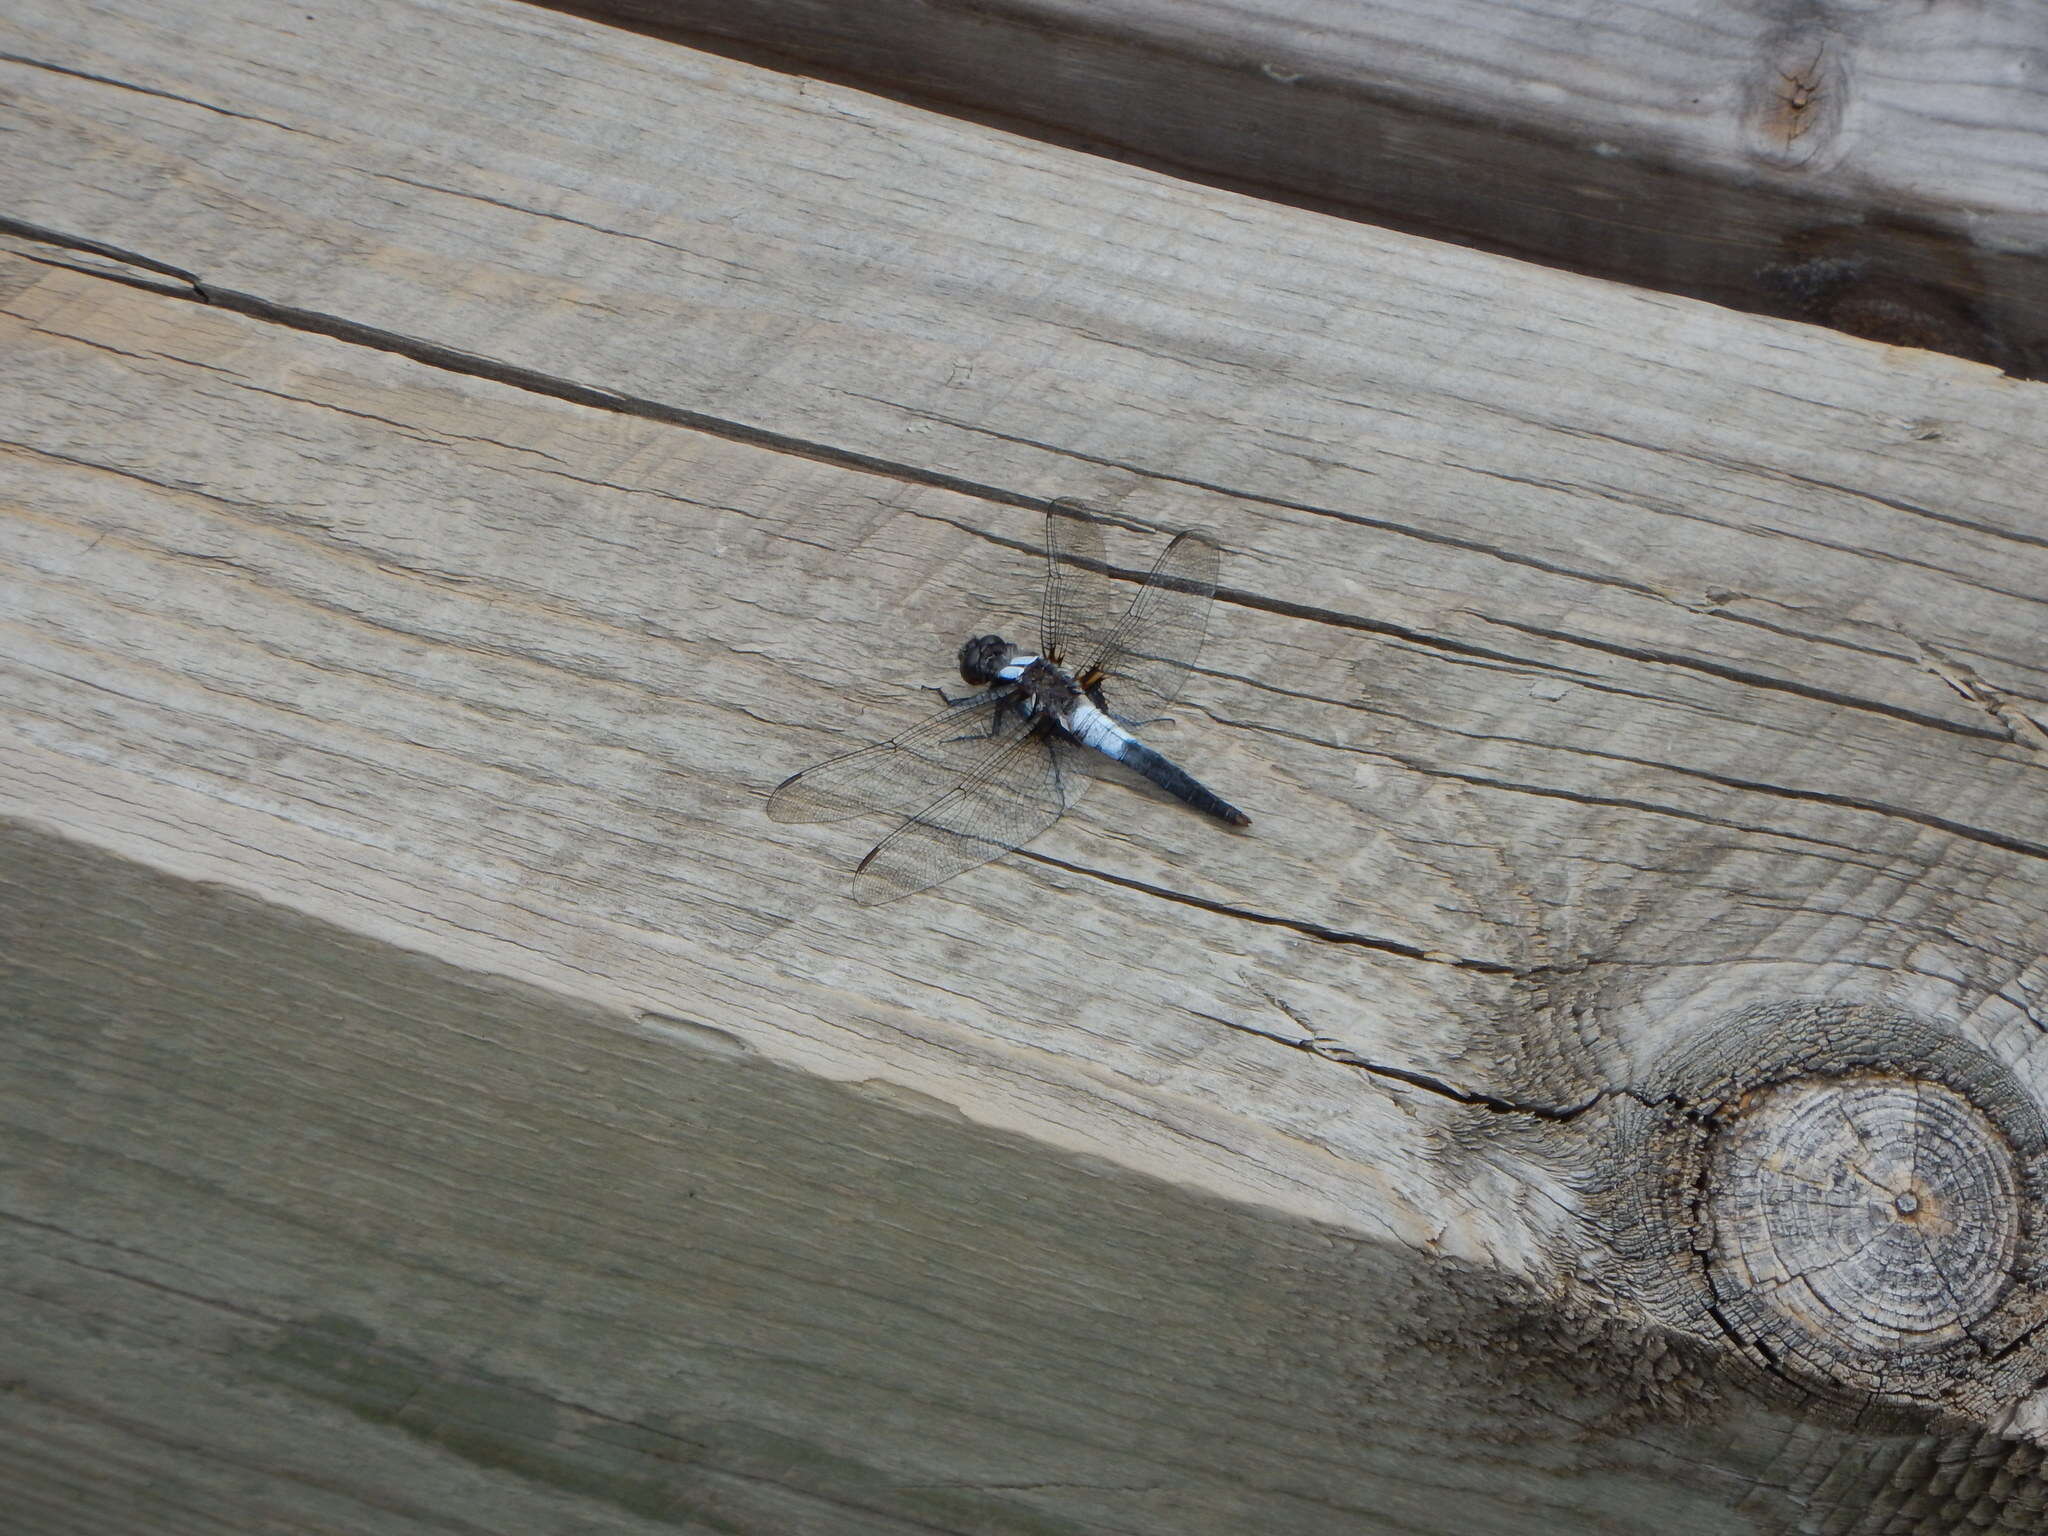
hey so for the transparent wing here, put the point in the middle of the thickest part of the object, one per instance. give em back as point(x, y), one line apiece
point(1080, 600)
point(912, 769)
point(1144, 658)
point(1004, 803)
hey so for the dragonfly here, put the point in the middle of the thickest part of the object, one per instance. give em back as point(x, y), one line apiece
point(995, 768)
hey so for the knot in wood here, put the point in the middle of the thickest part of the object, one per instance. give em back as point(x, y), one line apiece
point(1797, 98)
point(1853, 1218)
point(1853, 1197)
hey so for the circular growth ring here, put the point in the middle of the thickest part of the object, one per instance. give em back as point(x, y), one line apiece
point(1857, 1200)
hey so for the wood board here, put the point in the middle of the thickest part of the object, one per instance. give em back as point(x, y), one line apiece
point(394, 620)
point(1877, 168)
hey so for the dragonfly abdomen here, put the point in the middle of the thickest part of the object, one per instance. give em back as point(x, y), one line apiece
point(1091, 727)
point(1178, 782)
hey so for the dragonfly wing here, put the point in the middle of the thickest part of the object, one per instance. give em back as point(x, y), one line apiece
point(912, 769)
point(1080, 602)
point(1006, 802)
point(1145, 656)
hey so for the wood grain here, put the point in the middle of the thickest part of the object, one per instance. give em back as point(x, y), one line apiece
point(1848, 1193)
point(1872, 1215)
point(1873, 167)
point(411, 594)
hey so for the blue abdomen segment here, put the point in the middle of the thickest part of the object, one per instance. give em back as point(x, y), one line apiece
point(1181, 784)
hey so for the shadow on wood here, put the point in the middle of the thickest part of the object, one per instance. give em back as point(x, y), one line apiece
point(443, 1096)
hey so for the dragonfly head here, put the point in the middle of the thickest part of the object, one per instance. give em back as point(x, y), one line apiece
point(983, 658)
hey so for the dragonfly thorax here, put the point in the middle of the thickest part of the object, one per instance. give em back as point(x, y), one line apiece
point(1037, 687)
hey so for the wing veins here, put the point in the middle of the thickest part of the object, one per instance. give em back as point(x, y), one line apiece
point(915, 766)
point(998, 808)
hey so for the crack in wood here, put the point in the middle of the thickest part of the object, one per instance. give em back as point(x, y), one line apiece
point(1744, 676)
point(1313, 1042)
point(2019, 726)
point(150, 90)
point(1302, 926)
point(455, 360)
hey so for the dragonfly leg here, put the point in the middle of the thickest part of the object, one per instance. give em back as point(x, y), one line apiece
point(995, 719)
point(1059, 778)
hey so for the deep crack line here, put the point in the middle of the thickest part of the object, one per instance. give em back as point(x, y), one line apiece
point(1313, 1044)
point(149, 90)
point(435, 354)
point(1744, 676)
point(41, 236)
point(1273, 920)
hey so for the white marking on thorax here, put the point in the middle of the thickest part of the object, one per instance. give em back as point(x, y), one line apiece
point(1092, 728)
point(1015, 668)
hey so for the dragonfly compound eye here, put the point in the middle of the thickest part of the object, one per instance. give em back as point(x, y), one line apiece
point(983, 657)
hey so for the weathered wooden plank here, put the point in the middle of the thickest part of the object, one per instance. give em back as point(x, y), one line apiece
point(312, 1231)
point(1085, 332)
point(599, 608)
point(619, 1251)
point(1584, 692)
point(1877, 168)
point(664, 1242)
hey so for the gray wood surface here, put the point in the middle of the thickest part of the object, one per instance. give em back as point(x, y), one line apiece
point(1877, 167)
point(437, 509)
